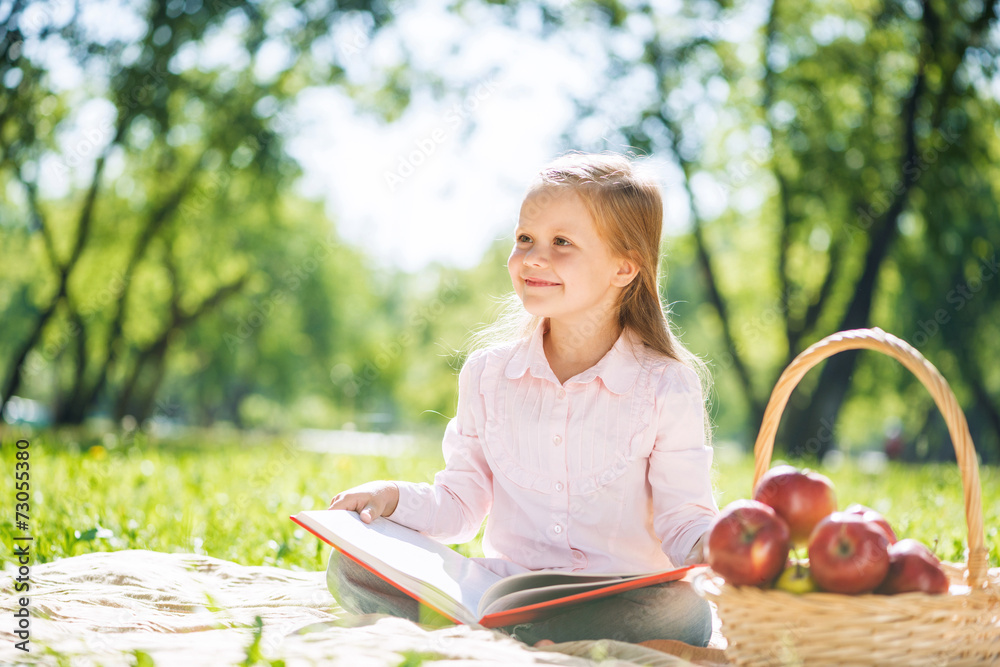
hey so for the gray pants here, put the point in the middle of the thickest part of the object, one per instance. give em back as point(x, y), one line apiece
point(666, 611)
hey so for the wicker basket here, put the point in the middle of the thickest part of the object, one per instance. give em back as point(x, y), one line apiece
point(771, 627)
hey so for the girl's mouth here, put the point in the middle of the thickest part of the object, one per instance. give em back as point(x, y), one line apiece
point(534, 282)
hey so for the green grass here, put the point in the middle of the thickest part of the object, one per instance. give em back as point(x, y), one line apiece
point(229, 496)
point(229, 499)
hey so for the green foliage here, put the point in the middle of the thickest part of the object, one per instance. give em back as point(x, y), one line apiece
point(417, 658)
point(254, 655)
point(142, 659)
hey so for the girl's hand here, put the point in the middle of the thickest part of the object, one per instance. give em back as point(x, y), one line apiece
point(370, 500)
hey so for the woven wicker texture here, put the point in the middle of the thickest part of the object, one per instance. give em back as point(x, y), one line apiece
point(770, 627)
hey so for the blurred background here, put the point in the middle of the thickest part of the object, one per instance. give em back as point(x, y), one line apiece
point(287, 217)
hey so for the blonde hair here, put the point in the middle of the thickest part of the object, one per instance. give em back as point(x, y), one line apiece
point(627, 209)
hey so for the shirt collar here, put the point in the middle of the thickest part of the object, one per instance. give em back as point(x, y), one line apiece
point(618, 369)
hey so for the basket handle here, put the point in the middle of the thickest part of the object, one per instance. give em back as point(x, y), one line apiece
point(958, 428)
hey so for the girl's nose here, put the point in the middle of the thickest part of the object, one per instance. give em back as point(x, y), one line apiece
point(535, 257)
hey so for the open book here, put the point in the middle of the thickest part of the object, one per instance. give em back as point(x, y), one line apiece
point(457, 587)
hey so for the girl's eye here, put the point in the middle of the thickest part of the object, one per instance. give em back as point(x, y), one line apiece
point(523, 238)
point(561, 241)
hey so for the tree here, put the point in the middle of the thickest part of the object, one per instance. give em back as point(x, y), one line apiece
point(156, 239)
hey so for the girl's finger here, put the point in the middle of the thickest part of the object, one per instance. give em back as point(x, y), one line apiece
point(342, 502)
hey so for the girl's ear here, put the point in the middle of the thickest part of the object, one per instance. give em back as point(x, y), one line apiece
point(628, 269)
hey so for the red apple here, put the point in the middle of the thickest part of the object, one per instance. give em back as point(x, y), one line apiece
point(868, 514)
point(848, 554)
point(801, 497)
point(748, 544)
point(913, 567)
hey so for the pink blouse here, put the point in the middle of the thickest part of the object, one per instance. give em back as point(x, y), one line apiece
point(609, 472)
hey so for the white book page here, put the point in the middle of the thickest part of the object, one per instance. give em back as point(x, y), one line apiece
point(416, 562)
point(539, 579)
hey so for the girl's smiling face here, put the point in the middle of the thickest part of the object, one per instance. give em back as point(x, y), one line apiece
point(560, 267)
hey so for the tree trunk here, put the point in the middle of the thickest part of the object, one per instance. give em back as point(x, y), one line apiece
point(73, 409)
point(809, 430)
point(126, 395)
point(13, 381)
point(144, 407)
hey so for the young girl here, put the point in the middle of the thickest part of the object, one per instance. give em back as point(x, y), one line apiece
point(584, 439)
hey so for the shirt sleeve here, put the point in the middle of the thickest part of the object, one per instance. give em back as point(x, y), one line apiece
point(453, 508)
point(680, 464)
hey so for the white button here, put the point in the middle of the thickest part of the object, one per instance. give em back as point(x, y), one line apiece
point(559, 486)
point(557, 439)
point(562, 393)
point(577, 554)
point(557, 528)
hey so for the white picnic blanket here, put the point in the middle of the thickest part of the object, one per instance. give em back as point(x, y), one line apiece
point(110, 608)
